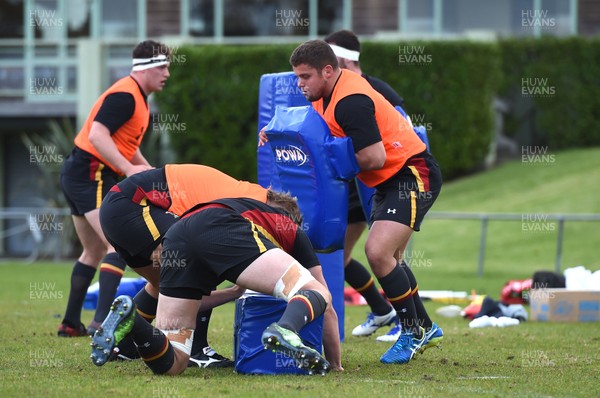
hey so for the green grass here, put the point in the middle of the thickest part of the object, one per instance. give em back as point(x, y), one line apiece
point(530, 360)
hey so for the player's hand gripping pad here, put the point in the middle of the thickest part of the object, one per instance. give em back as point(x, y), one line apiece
point(313, 166)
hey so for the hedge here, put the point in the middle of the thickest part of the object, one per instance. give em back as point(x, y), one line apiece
point(552, 87)
point(448, 86)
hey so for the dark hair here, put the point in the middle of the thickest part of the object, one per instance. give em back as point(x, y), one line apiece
point(286, 202)
point(314, 53)
point(345, 39)
point(149, 49)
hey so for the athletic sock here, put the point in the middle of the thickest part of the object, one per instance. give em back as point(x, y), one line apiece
point(145, 305)
point(111, 272)
point(81, 277)
point(152, 345)
point(361, 280)
point(420, 308)
point(397, 289)
point(201, 332)
point(303, 307)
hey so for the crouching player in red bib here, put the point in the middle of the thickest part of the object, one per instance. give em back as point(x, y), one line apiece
point(252, 244)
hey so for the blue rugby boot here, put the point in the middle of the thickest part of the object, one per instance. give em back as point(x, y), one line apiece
point(116, 326)
point(404, 349)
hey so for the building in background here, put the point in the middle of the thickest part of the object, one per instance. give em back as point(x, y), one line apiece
point(57, 56)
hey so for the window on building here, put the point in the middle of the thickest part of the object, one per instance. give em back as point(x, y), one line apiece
point(462, 16)
point(78, 18)
point(419, 18)
point(266, 18)
point(330, 16)
point(11, 19)
point(46, 20)
point(119, 18)
point(552, 18)
point(201, 18)
point(12, 75)
point(558, 17)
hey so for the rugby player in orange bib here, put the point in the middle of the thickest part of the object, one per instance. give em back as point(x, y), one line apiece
point(106, 147)
point(396, 163)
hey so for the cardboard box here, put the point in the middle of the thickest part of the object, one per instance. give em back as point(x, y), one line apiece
point(561, 305)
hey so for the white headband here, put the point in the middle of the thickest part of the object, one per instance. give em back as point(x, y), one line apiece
point(147, 63)
point(344, 52)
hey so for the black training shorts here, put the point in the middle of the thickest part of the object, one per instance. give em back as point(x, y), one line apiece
point(134, 230)
point(408, 195)
point(85, 181)
point(207, 248)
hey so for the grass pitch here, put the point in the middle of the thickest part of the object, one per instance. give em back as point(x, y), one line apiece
point(529, 360)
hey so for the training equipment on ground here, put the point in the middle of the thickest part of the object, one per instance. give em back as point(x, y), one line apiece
point(307, 173)
point(254, 312)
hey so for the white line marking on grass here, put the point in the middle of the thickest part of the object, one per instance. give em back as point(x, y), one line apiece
point(483, 377)
point(387, 381)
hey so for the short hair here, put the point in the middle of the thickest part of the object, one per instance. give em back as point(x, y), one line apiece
point(345, 39)
point(286, 202)
point(314, 53)
point(150, 48)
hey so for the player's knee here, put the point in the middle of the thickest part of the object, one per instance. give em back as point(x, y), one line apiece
point(376, 257)
point(295, 277)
